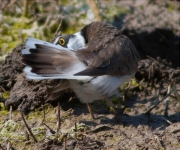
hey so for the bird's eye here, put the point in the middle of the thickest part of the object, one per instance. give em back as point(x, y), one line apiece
point(61, 41)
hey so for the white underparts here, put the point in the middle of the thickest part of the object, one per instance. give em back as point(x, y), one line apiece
point(99, 87)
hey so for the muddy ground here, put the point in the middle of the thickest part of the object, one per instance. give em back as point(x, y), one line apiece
point(158, 76)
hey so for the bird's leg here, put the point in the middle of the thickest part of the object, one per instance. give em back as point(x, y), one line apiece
point(90, 111)
point(109, 102)
point(116, 110)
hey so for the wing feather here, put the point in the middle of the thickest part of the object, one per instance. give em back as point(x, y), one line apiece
point(118, 57)
point(47, 61)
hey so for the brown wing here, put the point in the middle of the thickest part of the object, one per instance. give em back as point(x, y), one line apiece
point(117, 57)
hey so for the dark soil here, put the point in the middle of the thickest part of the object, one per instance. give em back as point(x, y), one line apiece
point(158, 73)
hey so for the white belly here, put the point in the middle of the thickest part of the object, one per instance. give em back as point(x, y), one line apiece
point(98, 88)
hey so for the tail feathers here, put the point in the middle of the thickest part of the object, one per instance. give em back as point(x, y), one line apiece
point(35, 76)
point(38, 57)
point(36, 65)
point(45, 60)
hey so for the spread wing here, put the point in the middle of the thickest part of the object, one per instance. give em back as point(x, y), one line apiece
point(117, 57)
point(45, 60)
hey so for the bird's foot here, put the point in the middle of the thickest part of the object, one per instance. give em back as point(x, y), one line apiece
point(118, 112)
point(90, 111)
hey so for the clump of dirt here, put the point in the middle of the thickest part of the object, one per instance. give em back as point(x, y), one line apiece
point(10, 68)
point(159, 43)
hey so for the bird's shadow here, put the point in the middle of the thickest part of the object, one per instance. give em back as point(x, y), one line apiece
point(105, 117)
point(154, 121)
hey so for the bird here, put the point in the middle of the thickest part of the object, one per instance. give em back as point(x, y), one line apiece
point(94, 62)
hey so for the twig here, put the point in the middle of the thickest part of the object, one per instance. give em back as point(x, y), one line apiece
point(12, 3)
point(68, 112)
point(5, 5)
point(47, 21)
point(44, 112)
point(58, 29)
point(152, 59)
point(95, 10)
point(151, 74)
point(42, 3)
point(167, 95)
point(65, 142)
point(75, 130)
point(34, 138)
point(25, 11)
point(166, 109)
point(167, 120)
point(140, 83)
point(176, 94)
point(172, 74)
point(51, 130)
point(26, 136)
point(19, 5)
point(8, 145)
point(3, 89)
point(158, 141)
point(10, 113)
point(59, 118)
point(1, 147)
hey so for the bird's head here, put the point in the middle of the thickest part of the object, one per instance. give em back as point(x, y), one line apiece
point(72, 41)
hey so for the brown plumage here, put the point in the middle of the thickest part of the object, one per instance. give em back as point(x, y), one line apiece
point(107, 47)
point(98, 56)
